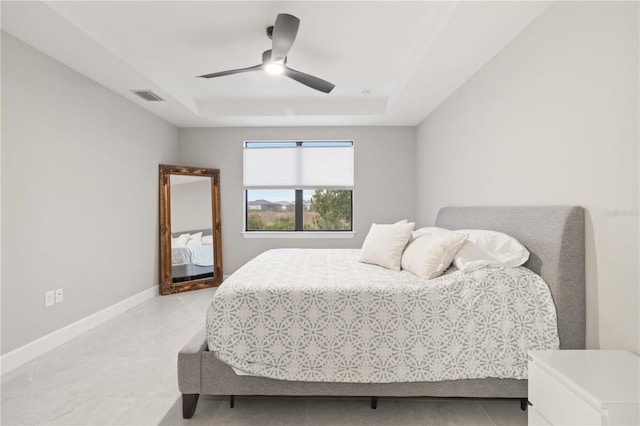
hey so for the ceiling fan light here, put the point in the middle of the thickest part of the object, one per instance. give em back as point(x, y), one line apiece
point(274, 68)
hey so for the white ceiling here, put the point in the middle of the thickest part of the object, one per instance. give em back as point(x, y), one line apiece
point(409, 56)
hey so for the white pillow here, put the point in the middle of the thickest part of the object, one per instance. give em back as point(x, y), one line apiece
point(195, 240)
point(428, 256)
point(429, 230)
point(489, 248)
point(384, 244)
point(207, 240)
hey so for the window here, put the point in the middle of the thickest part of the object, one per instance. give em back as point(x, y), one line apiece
point(298, 185)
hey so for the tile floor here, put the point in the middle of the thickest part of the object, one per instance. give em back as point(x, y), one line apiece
point(124, 373)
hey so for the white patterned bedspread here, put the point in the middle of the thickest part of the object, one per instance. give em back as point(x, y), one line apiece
point(198, 255)
point(320, 315)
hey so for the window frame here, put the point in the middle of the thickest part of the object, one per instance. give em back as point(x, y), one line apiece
point(299, 231)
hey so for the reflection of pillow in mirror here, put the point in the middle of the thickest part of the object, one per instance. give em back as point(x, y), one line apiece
point(207, 240)
point(195, 240)
point(181, 241)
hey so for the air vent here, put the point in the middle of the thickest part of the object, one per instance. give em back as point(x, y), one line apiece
point(148, 95)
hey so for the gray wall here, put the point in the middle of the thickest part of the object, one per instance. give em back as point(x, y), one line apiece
point(191, 206)
point(384, 180)
point(553, 119)
point(79, 194)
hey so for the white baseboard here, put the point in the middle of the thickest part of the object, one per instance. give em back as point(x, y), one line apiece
point(26, 353)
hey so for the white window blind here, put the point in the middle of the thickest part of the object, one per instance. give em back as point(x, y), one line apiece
point(299, 167)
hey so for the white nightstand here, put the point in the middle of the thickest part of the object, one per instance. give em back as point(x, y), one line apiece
point(584, 387)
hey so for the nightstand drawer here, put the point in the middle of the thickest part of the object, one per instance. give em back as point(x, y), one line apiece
point(557, 403)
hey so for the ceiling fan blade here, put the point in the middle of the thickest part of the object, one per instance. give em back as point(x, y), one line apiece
point(229, 72)
point(284, 33)
point(309, 80)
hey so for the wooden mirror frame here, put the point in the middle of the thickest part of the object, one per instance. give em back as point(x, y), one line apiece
point(167, 286)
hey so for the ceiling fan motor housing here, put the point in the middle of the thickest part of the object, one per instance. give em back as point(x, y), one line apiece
point(266, 57)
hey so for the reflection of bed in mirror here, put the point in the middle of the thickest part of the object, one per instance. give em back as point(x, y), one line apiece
point(192, 255)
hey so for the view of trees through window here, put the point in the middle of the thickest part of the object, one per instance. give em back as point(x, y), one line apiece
point(322, 210)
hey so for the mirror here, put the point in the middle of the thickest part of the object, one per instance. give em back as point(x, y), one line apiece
point(190, 228)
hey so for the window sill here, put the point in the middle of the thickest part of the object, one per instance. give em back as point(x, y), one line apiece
point(298, 234)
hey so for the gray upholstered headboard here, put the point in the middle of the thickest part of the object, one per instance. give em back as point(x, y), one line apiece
point(555, 238)
point(204, 232)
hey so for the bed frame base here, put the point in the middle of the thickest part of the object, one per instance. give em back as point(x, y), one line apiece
point(189, 403)
point(189, 407)
point(200, 372)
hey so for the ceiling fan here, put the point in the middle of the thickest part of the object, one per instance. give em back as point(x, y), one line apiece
point(282, 35)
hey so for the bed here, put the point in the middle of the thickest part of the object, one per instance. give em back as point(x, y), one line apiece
point(192, 262)
point(554, 237)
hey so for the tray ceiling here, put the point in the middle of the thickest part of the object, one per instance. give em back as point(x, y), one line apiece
point(392, 62)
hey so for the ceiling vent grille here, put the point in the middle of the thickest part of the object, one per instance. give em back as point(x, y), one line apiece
point(148, 95)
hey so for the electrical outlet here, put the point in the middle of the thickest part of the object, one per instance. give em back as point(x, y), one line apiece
point(49, 298)
point(59, 295)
